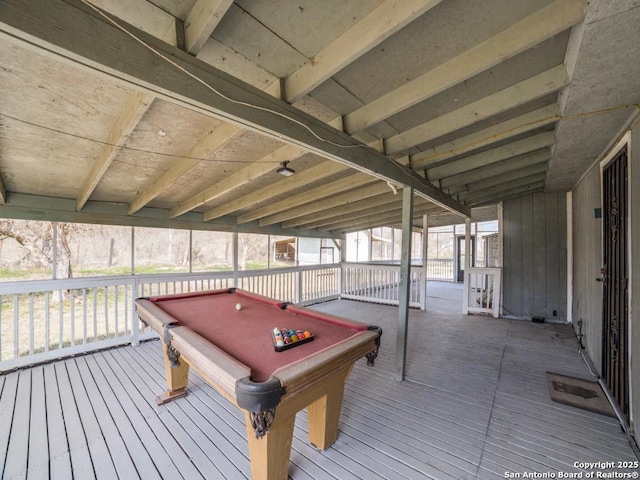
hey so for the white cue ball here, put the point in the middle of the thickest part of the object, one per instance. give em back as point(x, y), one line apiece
point(238, 306)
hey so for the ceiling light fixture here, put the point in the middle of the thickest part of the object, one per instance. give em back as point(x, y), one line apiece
point(284, 170)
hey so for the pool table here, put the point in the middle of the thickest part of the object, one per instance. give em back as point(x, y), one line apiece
point(226, 336)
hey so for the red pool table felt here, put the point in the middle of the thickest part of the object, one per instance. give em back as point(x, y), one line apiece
point(246, 334)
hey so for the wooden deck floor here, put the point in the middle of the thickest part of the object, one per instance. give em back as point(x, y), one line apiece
point(475, 405)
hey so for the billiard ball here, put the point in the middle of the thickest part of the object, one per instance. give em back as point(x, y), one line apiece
point(238, 306)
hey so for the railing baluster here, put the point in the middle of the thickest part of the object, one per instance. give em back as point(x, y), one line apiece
point(47, 322)
point(95, 314)
point(16, 318)
point(31, 325)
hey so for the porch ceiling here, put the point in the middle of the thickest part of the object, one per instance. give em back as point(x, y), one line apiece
point(467, 103)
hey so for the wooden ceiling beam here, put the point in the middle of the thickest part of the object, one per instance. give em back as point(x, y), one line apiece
point(357, 193)
point(498, 168)
point(379, 219)
point(206, 145)
point(522, 35)
point(55, 209)
point(493, 197)
point(144, 15)
point(202, 21)
point(502, 131)
point(300, 179)
point(241, 177)
point(313, 220)
point(294, 201)
point(136, 106)
point(374, 28)
point(502, 187)
point(154, 21)
point(510, 176)
point(72, 31)
point(262, 166)
point(353, 216)
point(488, 157)
point(514, 96)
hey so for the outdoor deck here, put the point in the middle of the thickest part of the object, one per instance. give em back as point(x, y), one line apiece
point(475, 405)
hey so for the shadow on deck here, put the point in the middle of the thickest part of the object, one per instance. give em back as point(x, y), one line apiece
point(475, 404)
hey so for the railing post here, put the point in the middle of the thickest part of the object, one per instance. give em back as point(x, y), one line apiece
point(465, 291)
point(425, 256)
point(135, 333)
point(300, 284)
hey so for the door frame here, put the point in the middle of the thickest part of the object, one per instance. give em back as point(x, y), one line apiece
point(624, 142)
point(460, 240)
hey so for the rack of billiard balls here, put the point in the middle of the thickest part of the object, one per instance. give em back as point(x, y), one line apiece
point(286, 338)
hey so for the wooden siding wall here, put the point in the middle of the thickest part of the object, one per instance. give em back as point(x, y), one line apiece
point(535, 256)
point(587, 256)
point(587, 253)
point(634, 365)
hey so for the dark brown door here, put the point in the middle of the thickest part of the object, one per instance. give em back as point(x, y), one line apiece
point(615, 338)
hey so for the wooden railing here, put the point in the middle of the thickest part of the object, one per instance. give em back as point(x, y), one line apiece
point(440, 269)
point(379, 283)
point(482, 287)
point(42, 320)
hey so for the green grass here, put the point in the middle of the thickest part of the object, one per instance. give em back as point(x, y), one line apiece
point(6, 273)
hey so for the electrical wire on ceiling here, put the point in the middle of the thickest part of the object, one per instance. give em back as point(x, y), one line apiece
point(211, 87)
point(123, 147)
point(406, 170)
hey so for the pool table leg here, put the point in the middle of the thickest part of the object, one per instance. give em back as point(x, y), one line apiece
point(177, 378)
point(270, 454)
point(323, 415)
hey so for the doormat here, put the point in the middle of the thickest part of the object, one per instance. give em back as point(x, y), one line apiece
point(580, 393)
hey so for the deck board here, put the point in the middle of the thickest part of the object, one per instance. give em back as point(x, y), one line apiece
point(474, 406)
point(38, 461)
point(59, 452)
point(17, 451)
point(7, 402)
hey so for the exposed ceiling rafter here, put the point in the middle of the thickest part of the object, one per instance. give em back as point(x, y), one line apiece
point(361, 193)
point(202, 21)
point(507, 165)
point(308, 196)
point(516, 95)
point(72, 31)
point(498, 179)
point(502, 131)
point(525, 34)
point(494, 155)
point(136, 106)
point(377, 26)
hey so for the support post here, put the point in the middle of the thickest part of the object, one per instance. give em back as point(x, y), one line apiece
point(467, 258)
point(235, 259)
point(405, 282)
point(425, 260)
